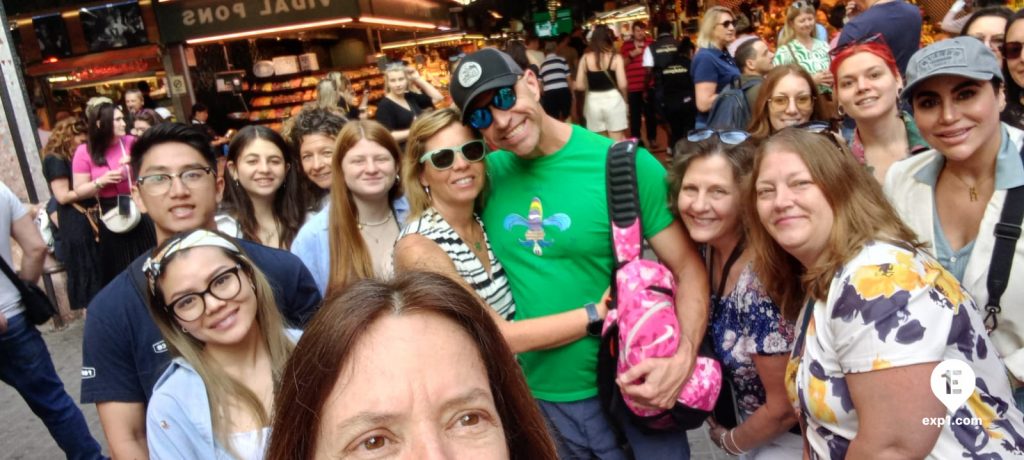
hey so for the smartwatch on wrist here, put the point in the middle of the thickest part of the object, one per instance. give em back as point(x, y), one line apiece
point(594, 322)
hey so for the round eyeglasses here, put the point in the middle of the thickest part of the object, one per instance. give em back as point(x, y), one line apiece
point(473, 151)
point(224, 286)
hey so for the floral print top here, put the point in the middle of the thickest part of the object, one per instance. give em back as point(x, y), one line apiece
point(743, 324)
point(890, 307)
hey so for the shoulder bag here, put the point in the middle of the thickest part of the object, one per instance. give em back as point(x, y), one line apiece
point(122, 218)
point(38, 308)
point(1007, 232)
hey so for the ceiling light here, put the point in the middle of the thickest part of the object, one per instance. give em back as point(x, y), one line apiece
point(396, 22)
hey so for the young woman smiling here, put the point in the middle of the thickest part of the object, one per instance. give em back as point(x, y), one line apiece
point(1013, 71)
point(788, 97)
point(263, 196)
point(400, 106)
point(868, 86)
point(798, 45)
point(217, 313)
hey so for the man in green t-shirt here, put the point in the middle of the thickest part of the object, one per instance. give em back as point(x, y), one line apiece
point(547, 222)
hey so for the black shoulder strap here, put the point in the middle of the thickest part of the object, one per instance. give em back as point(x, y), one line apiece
point(1007, 232)
point(623, 193)
point(17, 282)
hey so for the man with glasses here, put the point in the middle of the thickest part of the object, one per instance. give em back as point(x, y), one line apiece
point(123, 353)
point(547, 221)
point(898, 21)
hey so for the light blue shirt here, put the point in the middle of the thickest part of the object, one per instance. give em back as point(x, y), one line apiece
point(1009, 174)
point(313, 246)
point(178, 421)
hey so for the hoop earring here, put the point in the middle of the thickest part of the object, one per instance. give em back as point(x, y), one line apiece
point(184, 330)
point(840, 111)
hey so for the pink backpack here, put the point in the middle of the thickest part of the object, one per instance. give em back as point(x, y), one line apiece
point(641, 322)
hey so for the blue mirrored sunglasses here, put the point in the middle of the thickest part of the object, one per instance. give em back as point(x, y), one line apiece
point(501, 99)
point(728, 136)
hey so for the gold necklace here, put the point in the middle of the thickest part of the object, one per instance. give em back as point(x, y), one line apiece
point(363, 225)
point(972, 190)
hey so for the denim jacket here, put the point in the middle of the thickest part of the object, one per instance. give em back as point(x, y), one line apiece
point(178, 420)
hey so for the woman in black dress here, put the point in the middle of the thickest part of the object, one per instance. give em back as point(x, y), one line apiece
point(399, 106)
point(75, 240)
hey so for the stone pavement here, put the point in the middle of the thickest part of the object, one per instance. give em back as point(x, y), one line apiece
point(23, 436)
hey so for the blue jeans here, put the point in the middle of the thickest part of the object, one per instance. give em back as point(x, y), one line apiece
point(581, 431)
point(25, 364)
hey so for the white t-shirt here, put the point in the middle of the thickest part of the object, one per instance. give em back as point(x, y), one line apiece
point(11, 210)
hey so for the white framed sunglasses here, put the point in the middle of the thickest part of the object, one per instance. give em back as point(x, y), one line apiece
point(473, 151)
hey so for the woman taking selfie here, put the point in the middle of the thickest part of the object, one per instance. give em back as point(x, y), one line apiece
point(263, 197)
point(346, 393)
point(355, 237)
point(746, 330)
point(443, 174)
point(100, 170)
point(876, 314)
point(868, 85)
point(217, 313)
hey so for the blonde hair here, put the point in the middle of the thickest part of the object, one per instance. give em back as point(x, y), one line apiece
point(349, 255)
point(395, 68)
point(327, 94)
point(424, 128)
point(221, 388)
point(862, 214)
point(706, 35)
point(789, 29)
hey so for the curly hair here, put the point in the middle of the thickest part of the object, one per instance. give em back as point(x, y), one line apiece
point(62, 140)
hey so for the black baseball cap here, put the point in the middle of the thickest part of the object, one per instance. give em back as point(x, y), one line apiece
point(481, 71)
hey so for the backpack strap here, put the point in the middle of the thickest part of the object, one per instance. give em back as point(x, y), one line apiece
point(624, 201)
point(1007, 232)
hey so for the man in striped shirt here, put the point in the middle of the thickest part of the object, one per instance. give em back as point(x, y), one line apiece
point(554, 73)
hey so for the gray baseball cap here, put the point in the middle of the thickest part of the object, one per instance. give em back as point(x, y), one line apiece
point(963, 56)
point(481, 71)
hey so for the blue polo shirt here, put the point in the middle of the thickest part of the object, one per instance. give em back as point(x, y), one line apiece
point(123, 353)
point(713, 64)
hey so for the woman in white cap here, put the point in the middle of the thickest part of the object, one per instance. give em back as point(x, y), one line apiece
point(953, 196)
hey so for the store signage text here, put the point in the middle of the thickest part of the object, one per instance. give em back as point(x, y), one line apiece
point(183, 20)
point(222, 13)
point(110, 70)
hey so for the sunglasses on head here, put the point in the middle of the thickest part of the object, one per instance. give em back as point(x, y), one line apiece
point(501, 99)
point(473, 151)
point(800, 4)
point(728, 136)
point(823, 128)
point(1011, 50)
point(873, 38)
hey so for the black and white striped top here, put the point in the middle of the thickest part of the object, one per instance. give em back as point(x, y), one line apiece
point(554, 72)
point(493, 289)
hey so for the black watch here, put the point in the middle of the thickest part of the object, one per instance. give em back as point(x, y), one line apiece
point(594, 322)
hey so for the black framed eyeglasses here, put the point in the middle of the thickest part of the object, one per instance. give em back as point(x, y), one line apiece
point(190, 307)
point(473, 151)
point(1011, 50)
point(728, 136)
point(159, 184)
point(873, 38)
point(501, 99)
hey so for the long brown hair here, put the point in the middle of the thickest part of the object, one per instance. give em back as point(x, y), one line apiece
point(223, 390)
point(760, 124)
point(862, 215)
point(289, 200)
point(350, 258)
point(326, 349)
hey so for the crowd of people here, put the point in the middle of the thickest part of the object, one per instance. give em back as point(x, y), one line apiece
point(432, 282)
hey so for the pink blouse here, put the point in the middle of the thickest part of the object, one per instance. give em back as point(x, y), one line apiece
point(82, 163)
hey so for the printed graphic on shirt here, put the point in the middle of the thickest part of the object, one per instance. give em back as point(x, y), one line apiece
point(88, 372)
point(160, 347)
point(535, 236)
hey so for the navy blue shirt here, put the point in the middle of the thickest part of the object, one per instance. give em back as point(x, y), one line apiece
point(899, 22)
point(713, 65)
point(123, 353)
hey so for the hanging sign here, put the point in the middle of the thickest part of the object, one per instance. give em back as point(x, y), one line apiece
point(183, 20)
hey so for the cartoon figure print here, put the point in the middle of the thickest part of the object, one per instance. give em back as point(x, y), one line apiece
point(535, 223)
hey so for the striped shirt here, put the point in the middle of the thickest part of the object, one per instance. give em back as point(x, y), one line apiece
point(492, 288)
point(554, 72)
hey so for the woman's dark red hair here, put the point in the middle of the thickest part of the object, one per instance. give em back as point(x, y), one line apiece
point(878, 48)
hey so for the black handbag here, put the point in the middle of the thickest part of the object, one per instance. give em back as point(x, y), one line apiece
point(38, 308)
